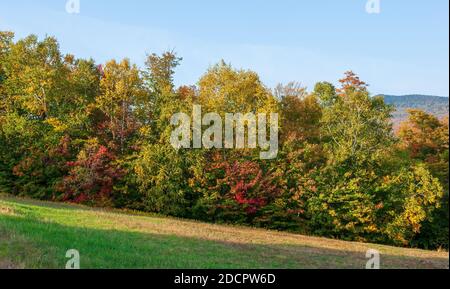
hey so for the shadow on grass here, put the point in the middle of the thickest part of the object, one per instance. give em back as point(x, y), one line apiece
point(24, 202)
point(17, 200)
point(30, 243)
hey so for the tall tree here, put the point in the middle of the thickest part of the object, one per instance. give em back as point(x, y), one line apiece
point(6, 39)
point(160, 71)
point(426, 139)
point(357, 195)
point(122, 95)
point(35, 77)
point(358, 127)
point(301, 113)
point(224, 89)
point(159, 80)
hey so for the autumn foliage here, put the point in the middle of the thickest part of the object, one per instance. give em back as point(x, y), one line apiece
point(76, 131)
point(91, 177)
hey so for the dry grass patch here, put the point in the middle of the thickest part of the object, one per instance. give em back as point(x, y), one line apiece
point(4, 210)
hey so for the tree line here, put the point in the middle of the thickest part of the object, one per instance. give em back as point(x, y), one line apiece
point(75, 131)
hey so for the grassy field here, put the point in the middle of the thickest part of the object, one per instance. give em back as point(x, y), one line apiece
point(37, 235)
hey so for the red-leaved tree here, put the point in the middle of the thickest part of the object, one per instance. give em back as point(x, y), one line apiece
point(92, 176)
point(245, 186)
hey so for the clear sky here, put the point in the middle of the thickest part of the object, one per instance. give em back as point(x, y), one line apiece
point(402, 50)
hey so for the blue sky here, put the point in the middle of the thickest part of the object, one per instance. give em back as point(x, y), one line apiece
point(402, 50)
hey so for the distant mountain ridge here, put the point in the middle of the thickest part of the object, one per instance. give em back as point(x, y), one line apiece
point(436, 105)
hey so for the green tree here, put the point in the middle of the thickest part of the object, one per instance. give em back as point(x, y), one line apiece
point(159, 81)
point(357, 127)
point(353, 193)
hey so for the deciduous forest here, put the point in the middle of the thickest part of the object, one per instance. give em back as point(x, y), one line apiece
point(73, 130)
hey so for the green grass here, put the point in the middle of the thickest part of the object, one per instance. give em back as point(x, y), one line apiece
point(37, 234)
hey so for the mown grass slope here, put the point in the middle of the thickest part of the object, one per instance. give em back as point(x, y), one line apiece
point(38, 234)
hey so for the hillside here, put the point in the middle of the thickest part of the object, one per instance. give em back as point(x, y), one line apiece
point(37, 235)
point(436, 105)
